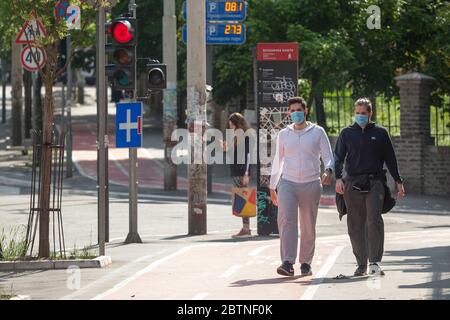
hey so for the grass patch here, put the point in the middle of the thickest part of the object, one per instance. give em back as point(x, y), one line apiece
point(13, 248)
point(86, 252)
point(13, 243)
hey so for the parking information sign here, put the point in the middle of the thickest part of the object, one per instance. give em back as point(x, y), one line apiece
point(222, 33)
point(129, 125)
point(223, 10)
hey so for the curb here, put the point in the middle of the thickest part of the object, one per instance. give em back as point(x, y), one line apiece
point(15, 182)
point(99, 262)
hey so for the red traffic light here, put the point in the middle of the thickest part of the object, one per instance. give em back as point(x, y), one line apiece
point(122, 31)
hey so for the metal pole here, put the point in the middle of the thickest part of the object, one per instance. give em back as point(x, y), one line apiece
point(133, 235)
point(196, 115)
point(69, 109)
point(170, 94)
point(27, 83)
point(209, 79)
point(102, 137)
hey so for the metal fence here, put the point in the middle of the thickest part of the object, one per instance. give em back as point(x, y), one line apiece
point(440, 122)
point(339, 112)
point(57, 168)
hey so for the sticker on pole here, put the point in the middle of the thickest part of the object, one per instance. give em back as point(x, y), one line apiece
point(129, 125)
point(33, 58)
point(32, 30)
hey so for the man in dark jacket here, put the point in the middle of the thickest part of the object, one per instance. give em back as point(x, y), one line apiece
point(365, 148)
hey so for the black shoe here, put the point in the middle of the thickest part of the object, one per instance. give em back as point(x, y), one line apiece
point(286, 269)
point(306, 270)
point(360, 271)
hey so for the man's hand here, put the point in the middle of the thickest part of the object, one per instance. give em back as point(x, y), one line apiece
point(274, 197)
point(340, 186)
point(326, 178)
point(245, 180)
point(400, 190)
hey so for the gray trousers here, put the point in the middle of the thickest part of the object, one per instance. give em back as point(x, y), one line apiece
point(292, 197)
point(364, 221)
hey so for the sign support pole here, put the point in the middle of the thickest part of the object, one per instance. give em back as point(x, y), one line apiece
point(102, 138)
point(133, 235)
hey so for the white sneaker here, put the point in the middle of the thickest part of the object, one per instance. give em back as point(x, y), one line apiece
point(374, 269)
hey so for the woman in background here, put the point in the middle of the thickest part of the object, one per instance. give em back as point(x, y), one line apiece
point(240, 172)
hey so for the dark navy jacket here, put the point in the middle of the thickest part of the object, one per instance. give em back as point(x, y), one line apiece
point(365, 151)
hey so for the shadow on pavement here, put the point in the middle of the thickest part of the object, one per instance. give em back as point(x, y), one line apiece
point(436, 227)
point(432, 260)
point(246, 283)
point(255, 238)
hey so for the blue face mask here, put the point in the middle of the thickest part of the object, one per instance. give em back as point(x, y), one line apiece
point(361, 119)
point(298, 117)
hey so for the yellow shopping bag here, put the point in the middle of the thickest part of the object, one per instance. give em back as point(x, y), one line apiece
point(244, 202)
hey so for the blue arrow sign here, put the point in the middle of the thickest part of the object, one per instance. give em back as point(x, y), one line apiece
point(129, 125)
point(222, 33)
point(223, 10)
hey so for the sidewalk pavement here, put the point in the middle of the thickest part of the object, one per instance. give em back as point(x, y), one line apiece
point(217, 267)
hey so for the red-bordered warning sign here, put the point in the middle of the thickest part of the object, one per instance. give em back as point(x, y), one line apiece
point(33, 58)
point(31, 30)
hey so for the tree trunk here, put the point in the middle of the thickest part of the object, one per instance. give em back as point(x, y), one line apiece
point(80, 87)
point(4, 79)
point(16, 134)
point(27, 81)
point(38, 102)
point(46, 166)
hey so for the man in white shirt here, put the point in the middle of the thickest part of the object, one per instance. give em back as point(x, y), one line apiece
point(300, 146)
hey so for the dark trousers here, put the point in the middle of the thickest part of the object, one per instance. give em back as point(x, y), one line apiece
point(364, 221)
point(239, 183)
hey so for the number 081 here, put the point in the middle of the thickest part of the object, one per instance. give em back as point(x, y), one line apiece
point(232, 6)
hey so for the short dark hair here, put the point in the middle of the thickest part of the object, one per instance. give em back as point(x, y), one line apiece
point(364, 102)
point(294, 100)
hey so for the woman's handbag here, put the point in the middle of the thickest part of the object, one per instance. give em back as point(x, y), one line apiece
point(244, 202)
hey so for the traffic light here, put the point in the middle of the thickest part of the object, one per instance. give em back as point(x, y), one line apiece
point(123, 32)
point(156, 76)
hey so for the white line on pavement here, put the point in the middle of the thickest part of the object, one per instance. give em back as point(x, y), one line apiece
point(403, 220)
point(108, 276)
point(140, 273)
point(157, 197)
point(118, 164)
point(200, 296)
point(314, 285)
point(257, 251)
point(171, 235)
point(230, 271)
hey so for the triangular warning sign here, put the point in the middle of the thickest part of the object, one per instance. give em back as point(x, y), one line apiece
point(31, 30)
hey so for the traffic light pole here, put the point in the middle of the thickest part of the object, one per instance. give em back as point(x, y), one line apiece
point(170, 94)
point(133, 235)
point(102, 138)
point(196, 115)
point(69, 167)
